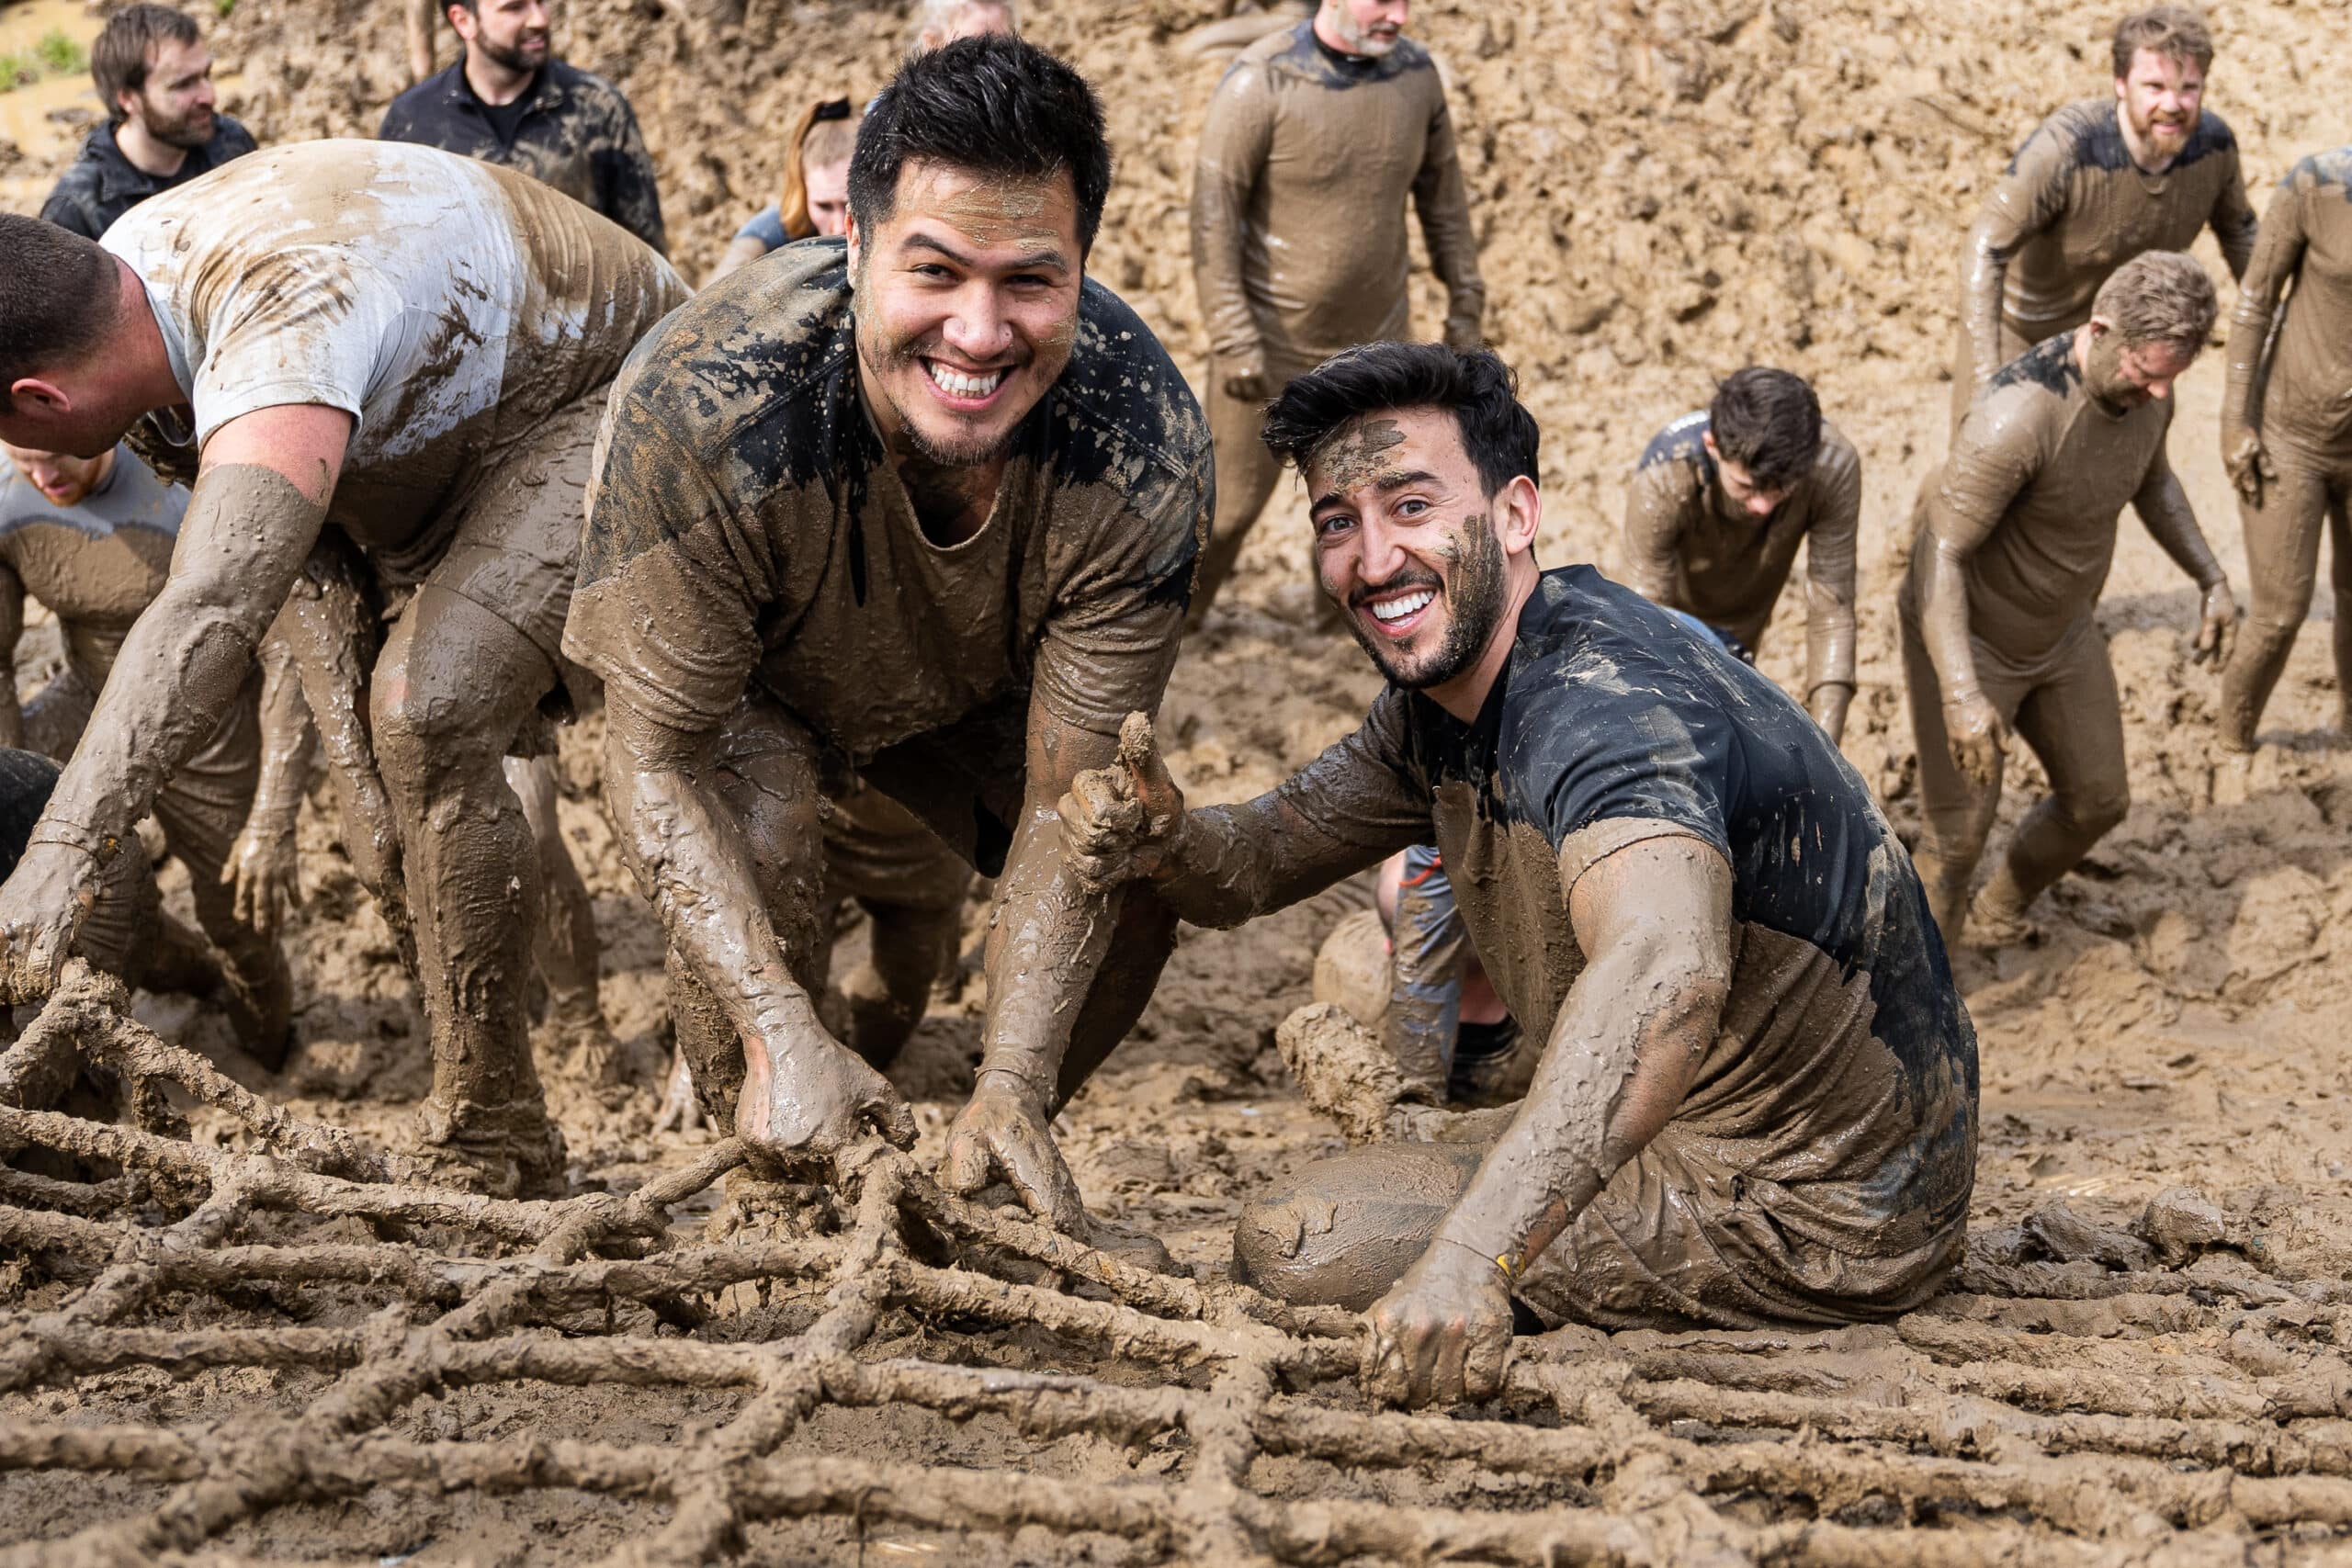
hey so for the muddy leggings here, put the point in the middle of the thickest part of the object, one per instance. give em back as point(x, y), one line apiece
point(2282, 539)
point(2067, 710)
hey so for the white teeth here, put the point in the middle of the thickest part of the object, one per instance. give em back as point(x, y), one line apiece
point(956, 384)
point(1398, 609)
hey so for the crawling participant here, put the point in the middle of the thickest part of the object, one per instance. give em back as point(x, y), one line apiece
point(925, 507)
point(1719, 504)
point(413, 346)
point(1756, 1096)
point(2287, 432)
point(2018, 530)
point(2096, 183)
point(92, 538)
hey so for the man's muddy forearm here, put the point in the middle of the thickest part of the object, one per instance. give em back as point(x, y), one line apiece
point(1443, 201)
point(694, 865)
point(286, 738)
point(1829, 572)
point(1652, 526)
point(2165, 511)
point(243, 540)
point(2277, 254)
point(1233, 863)
point(1943, 621)
point(1984, 273)
point(1623, 1053)
point(1047, 938)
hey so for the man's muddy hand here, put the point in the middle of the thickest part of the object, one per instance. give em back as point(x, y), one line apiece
point(1004, 1132)
point(262, 875)
point(2217, 627)
point(1245, 380)
point(1441, 1335)
point(41, 909)
point(2249, 464)
point(806, 1096)
point(1122, 822)
point(1976, 738)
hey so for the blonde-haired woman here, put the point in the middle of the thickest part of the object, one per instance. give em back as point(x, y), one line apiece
point(816, 187)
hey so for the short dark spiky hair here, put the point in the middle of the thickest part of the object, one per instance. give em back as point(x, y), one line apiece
point(1769, 423)
point(995, 106)
point(58, 298)
point(124, 50)
point(1481, 392)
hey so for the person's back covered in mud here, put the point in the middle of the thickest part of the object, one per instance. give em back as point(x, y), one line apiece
point(2287, 432)
point(1317, 140)
point(2097, 183)
point(1754, 1096)
point(923, 505)
point(1720, 502)
point(154, 75)
point(2017, 532)
point(507, 100)
point(413, 346)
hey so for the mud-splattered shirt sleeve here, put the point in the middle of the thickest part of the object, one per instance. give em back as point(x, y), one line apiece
point(2234, 224)
point(671, 581)
point(1443, 201)
point(1657, 500)
point(1994, 454)
point(1609, 743)
point(296, 324)
point(625, 190)
point(1830, 551)
point(2278, 255)
point(2031, 196)
point(1234, 142)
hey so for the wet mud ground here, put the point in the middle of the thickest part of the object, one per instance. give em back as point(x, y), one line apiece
point(2122, 1374)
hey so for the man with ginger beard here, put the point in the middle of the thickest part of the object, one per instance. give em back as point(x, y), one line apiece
point(2098, 183)
point(154, 76)
point(919, 508)
point(1755, 1095)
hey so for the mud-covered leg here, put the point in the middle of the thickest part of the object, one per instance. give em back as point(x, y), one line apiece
point(2339, 577)
point(564, 944)
point(1956, 814)
point(1246, 476)
point(202, 811)
point(2282, 559)
point(887, 995)
point(767, 781)
point(912, 889)
point(454, 684)
point(2073, 721)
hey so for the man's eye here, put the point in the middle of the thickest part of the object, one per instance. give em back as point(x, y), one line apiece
point(1412, 506)
point(1326, 526)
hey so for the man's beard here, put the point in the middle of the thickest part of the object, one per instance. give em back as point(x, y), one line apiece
point(528, 52)
point(972, 452)
point(1473, 606)
point(188, 132)
point(2145, 127)
point(1365, 42)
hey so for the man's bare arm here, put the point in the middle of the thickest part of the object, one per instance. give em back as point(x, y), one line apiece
point(12, 628)
point(1654, 921)
point(813, 1096)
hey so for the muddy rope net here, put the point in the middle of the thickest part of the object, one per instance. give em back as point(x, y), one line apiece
point(2016, 1420)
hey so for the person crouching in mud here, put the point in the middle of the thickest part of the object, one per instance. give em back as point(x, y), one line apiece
point(1756, 1095)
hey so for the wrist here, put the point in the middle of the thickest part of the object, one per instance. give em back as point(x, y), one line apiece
point(71, 836)
point(1029, 1087)
point(1504, 1263)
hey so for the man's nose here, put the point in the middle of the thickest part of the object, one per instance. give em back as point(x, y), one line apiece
point(1381, 552)
point(977, 327)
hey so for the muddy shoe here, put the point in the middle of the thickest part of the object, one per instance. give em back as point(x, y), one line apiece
point(503, 1151)
point(1993, 924)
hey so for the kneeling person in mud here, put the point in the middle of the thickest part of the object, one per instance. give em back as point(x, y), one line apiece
point(918, 510)
point(413, 346)
point(1756, 1100)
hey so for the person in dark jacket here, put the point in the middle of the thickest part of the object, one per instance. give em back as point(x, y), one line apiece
point(154, 75)
point(508, 101)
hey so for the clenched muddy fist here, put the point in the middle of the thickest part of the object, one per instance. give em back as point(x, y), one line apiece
point(1122, 822)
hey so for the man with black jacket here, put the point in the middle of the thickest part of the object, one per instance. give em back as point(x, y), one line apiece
point(154, 75)
point(508, 101)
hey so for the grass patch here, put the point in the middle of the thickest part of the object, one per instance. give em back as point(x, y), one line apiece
point(55, 55)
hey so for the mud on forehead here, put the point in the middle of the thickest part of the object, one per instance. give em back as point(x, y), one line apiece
point(1357, 453)
point(994, 210)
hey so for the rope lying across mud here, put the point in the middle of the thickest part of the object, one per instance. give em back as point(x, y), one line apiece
point(2015, 1421)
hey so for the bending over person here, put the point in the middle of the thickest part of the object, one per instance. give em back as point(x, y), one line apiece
point(1757, 1094)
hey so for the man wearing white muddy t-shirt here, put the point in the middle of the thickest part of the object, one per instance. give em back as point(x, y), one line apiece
point(413, 346)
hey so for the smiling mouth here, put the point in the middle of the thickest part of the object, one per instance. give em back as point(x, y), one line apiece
point(1399, 613)
point(973, 387)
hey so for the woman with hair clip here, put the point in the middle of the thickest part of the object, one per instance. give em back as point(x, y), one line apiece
point(816, 187)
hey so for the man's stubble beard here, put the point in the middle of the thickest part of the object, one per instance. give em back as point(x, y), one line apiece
point(1474, 603)
point(881, 364)
point(514, 59)
point(182, 132)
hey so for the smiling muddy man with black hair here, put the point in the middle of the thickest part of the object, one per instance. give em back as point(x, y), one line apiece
point(918, 509)
point(1750, 1084)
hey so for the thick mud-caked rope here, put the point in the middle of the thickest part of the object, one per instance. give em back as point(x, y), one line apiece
point(2001, 1426)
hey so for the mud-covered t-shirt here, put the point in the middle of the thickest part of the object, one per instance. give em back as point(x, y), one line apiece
point(2074, 207)
point(2048, 468)
point(449, 306)
point(95, 564)
point(1307, 159)
point(1689, 547)
point(1616, 722)
point(746, 523)
point(2304, 396)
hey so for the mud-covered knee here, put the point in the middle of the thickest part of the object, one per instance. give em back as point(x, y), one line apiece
point(1343, 1230)
point(2099, 811)
point(423, 743)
